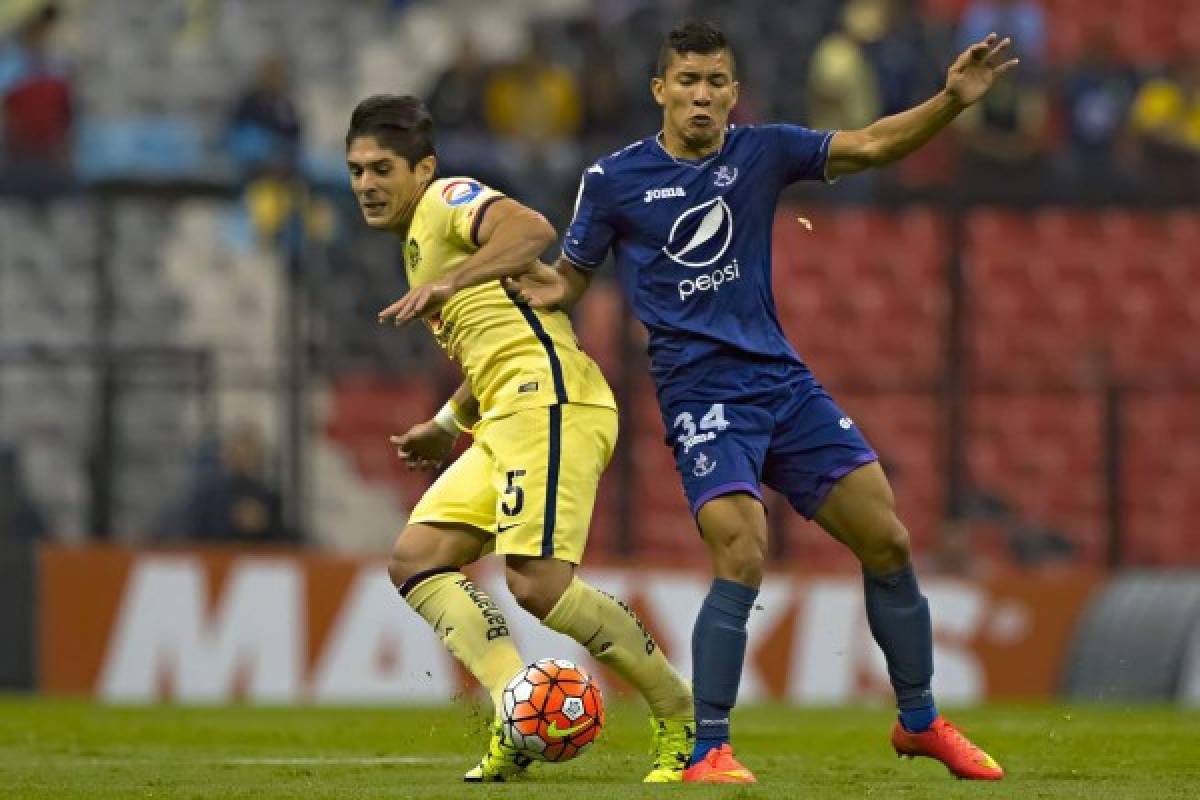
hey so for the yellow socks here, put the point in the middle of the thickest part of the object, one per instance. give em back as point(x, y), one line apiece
point(471, 627)
point(477, 633)
point(614, 635)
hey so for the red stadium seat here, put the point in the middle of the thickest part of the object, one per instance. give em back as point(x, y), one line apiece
point(365, 412)
point(1117, 282)
point(1162, 490)
point(856, 267)
point(1042, 453)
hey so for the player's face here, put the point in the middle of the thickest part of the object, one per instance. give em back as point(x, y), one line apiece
point(386, 187)
point(697, 93)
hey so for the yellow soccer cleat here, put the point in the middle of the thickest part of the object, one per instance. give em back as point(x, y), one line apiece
point(673, 742)
point(500, 763)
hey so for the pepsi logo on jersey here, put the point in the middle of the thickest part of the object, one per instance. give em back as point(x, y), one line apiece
point(698, 239)
point(701, 235)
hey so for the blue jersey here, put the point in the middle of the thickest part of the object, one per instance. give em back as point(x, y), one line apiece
point(692, 243)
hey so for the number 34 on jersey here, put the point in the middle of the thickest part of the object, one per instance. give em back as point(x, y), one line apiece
point(712, 423)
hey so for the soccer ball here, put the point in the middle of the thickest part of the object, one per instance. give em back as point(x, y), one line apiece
point(552, 710)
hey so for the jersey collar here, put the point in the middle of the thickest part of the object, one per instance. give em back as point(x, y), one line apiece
point(693, 163)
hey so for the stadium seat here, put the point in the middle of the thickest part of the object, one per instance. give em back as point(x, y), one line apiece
point(1162, 443)
point(1043, 454)
point(853, 268)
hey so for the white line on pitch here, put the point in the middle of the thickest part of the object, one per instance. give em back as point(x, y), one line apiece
point(316, 761)
point(269, 761)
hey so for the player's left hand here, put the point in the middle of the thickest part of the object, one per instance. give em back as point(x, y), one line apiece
point(419, 302)
point(972, 75)
point(424, 446)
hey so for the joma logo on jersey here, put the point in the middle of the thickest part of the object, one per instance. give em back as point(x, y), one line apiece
point(660, 194)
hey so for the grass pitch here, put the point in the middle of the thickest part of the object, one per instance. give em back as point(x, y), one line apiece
point(54, 749)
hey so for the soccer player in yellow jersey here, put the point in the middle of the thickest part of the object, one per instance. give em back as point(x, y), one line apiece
point(531, 396)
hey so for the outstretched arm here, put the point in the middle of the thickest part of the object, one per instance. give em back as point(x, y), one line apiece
point(892, 138)
point(510, 236)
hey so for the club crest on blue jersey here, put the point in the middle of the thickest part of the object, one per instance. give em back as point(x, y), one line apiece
point(460, 192)
point(704, 465)
point(701, 235)
point(725, 176)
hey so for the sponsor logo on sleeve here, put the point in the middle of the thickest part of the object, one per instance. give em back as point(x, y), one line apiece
point(460, 192)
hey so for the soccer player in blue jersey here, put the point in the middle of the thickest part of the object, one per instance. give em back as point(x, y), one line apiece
point(688, 214)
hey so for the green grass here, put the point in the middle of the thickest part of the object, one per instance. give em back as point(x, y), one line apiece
point(54, 749)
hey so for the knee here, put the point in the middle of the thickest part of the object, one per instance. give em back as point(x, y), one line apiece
point(399, 570)
point(889, 550)
point(406, 561)
point(536, 597)
point(739, 556)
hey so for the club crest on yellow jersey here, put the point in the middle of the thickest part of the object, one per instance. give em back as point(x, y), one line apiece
point(412, 254)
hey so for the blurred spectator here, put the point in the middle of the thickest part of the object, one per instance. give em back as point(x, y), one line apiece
point(843, 90)
point(1097, 93)
point(1023, 20)
point(988, 531)
point(19, 517)
point(907, 69)
point(1166, 118)
point(456, 102)
point(233, 501)
point(35, 94)
point(1004, 139)
point(534, 100)
point(535, 107)
point(265, 133)
point(606, 118)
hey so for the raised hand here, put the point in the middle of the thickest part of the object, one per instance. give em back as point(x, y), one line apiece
point(976, 69)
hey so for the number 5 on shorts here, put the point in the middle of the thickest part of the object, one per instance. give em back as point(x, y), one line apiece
point(518, 494)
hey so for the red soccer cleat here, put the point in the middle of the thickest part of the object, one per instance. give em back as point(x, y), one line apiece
point(718, 766)
point(943, 742)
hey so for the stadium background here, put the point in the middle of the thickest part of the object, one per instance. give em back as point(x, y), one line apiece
point(188, 336)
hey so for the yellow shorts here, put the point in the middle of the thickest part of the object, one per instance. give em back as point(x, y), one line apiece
point(529, 480)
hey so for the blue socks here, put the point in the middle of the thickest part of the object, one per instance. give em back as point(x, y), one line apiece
point(918, 720)
point(898, 616)
point(718, 649)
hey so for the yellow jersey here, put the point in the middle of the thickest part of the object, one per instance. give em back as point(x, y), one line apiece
point(515, 357)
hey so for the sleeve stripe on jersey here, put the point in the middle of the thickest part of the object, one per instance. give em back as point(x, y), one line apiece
point(550, 520)
point(560, 387)
point(825, 143)
point(483, 207)
point(577, 261)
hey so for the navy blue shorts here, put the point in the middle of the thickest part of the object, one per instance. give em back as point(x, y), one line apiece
point(793, 439)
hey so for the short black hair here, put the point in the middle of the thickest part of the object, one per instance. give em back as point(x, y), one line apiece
point(692, 37)
point(401, 123)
